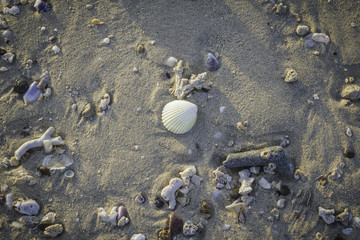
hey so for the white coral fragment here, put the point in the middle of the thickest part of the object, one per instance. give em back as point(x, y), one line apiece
point(168, 192)
point(183, 86)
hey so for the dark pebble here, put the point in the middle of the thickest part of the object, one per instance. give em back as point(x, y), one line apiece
point(44, 7)
point(44, 170)
point(349, 153)
point(175, 224)
point(2, 51)
point(21, 86)
point(284, 190)
point(168, 75)
point(159, 203)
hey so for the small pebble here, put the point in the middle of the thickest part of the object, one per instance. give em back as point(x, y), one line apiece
point(280, 203)
point(135, 70)
point(3, 69)
point(264, 183)
point(320, 38)
point(53, 230)
point(88, 6)
point(96, 21)
point(7, 33)
point(43, 29)
point(56, 49)
point(316, 97)
point(8, 57)
point(347, 231)
point(106, 41)
point(152, 43)
point(349, 132)
point(302, 30)
point(171, 61)
point(74, 107)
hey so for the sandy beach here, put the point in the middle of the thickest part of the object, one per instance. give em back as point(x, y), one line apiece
point(288, 79)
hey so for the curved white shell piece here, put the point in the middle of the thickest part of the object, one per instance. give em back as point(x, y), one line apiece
point(179, 116)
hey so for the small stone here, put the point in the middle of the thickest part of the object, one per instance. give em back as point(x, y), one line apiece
point(3, 69)
point(171, 61)
point(349, 153)
point(135, 70)
point(13, 10)
point(152, 43)
point(88, 6)
point(7, 33)
point(3, 23)
point(348, 132)
point(8, 57)
point(96, 21)
point(21, 86)
point(320, 38)
point(290, 75)
point(255, 170)
point(356, 222)
point(264, 183)
point(53, 230)
point(56, 49)
point(226, 227)
point(138, 236)
point(316, 97)
point(74, 107)
point(302, 30)
point(106, 41)
point(280, 203)
point(43, 28)
point(89, 111)
point(347, 231)
point(140, 48)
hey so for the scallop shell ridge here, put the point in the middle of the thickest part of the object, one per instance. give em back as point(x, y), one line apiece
point(179, 116)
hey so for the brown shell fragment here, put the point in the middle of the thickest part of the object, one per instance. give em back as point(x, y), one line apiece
point(206, 209)
point(96, 21)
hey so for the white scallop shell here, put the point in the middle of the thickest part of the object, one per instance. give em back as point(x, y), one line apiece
point(179, 116)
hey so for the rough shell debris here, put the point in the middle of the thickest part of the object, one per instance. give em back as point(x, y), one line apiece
point(189, 228)
point(327, 215)
point(53, 230)
point(183, 86)
point(290, 75)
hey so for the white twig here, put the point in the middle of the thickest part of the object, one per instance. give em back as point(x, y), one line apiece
point(45, 140)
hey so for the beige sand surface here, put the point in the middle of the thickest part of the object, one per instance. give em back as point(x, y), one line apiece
point(255, 46)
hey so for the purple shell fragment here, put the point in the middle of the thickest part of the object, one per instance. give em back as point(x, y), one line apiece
point(33, 93)
point(211, 63)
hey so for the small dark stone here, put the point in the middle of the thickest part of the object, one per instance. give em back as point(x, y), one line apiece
point(2, 51)
point(349, 153)
point(43, 225)
point(21, 86)
point(159, 203)
point(197, 146)
point(44, 170)
point(175, 224)
point(168, 75)
point(140, 48)
point(284, 190)
point(44, 7)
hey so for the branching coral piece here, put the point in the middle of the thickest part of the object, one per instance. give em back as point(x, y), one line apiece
point(45, 140)
point(183, 86)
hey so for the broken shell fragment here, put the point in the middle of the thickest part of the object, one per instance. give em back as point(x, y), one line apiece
point(211, 63)
point(179, 116)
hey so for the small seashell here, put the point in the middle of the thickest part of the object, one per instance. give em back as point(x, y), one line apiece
point(32, 94)
point(122, 212)
point(69, 174)
point(242, 126)
point(171, 61)
point(140, 48)
point(140, 199)
point(106, 41)
point(320, 38)
point(211, 63)
point(96, 21)
point(179, 116)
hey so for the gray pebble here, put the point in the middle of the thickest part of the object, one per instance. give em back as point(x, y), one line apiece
point(320, 38)
point(302, 30)
point(7, 33)
point(8, 57)
point(3, 23)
